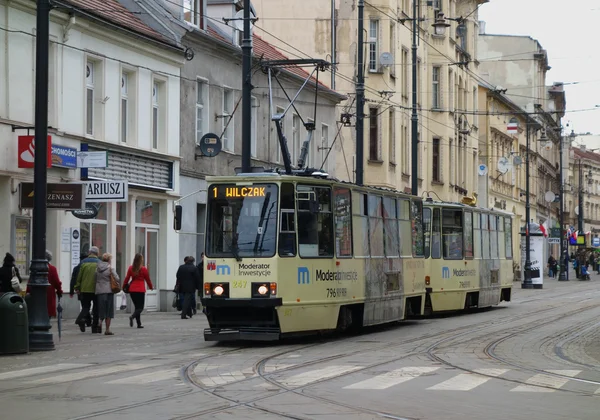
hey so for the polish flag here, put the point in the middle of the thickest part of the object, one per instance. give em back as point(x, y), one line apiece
point(543, 229)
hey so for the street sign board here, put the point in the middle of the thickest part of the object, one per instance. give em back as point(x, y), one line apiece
point(92, 159)
point(554, 240)
point(64, 157)
point(58, 196)
point(105, 191)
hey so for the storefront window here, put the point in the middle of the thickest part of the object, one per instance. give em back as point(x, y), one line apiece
point(121, 212)
point(121, 254)
point(147, 212)
point(93, 234)
point(22, 244)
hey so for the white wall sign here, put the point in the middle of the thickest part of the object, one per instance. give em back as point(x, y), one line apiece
point(92, 159)
point(104, 191)
point(65, 240)
point(75, 247)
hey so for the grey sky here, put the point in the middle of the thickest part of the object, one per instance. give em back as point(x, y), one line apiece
point(568, 31)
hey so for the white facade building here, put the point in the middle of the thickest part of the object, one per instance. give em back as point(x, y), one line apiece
point(113, 86)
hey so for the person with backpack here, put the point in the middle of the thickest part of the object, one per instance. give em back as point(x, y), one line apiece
point(83, 256)
point(86, 286)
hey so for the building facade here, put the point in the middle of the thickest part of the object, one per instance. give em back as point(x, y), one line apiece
point(113, 87)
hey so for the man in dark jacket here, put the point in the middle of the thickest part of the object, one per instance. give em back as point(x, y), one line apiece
point(188, 281)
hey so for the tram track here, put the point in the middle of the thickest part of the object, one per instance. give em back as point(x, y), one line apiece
point(489, 351)
point(187, 372)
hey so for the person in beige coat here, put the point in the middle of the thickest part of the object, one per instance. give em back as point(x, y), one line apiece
point(104, 293)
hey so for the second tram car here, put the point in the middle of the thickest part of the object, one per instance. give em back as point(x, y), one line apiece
point(468, 256)
point(296, 254)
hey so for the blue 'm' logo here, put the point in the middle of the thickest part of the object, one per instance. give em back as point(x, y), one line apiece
point(223, 269)
point(445, 273)
point(303, 275)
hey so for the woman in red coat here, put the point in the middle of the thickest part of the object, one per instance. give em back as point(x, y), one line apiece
point(137, 278)
point(55, 288)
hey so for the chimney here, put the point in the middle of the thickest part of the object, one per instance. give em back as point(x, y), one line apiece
point(482, 27)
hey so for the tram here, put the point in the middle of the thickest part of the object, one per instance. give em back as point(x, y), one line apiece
point(291, 254)
point(468, 256)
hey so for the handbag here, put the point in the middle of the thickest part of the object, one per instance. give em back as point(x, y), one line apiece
point(15, 282)
point(114, 284)
point(175, 303)
point(126, 287)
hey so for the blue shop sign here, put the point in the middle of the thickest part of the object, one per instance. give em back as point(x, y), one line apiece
point(596, 242)
point(64, 157)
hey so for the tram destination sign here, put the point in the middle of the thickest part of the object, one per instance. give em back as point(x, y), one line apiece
point(58, 196)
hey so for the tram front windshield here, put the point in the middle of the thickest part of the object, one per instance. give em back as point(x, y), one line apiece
point(242, 220)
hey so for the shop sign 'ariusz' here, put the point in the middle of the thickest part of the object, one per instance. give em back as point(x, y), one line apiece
point(105, 191)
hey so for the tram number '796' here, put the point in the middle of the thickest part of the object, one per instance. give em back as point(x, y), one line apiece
point(339, 292)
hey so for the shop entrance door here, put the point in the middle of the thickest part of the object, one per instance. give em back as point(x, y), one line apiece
point(146, 243)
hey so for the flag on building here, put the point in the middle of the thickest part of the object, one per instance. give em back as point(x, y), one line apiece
point(513, 126)
point(543, 229)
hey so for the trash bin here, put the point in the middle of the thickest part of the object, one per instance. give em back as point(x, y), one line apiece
point(14, 324)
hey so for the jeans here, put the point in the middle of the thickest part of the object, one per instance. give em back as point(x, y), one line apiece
point(86, 302)
point(138, 299)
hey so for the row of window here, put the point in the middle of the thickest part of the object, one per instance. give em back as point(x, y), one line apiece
point(453, 234)
point(127, 115)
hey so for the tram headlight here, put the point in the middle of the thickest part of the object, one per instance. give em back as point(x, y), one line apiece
point(262, 289)
point(218, 290)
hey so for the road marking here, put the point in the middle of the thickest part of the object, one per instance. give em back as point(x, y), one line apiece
point(147, 378)
point(542, 382)
point(90, 373)
point(468, 381)
point(40, 370)
point(317, 374)
point(389, 379)
point(277, 366)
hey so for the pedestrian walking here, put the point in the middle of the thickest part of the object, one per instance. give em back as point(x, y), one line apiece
point(55, 288)
point(86, 286)
point(135, 284)
point(104, 292)
point(7, 272)
point(82, 256)
point(188, 281)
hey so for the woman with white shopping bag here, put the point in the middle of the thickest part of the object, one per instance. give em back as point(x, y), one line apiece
point(10, 279)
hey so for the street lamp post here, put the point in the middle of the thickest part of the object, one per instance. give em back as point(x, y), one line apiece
point(563, 260)
point(40, 337)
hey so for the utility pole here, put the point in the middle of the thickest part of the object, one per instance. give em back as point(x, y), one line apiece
point(580, 216)
point(246, 91)
point(527, 283)
point(360, 97)
point(415, 117)
point(562, 260)
point(40, 337)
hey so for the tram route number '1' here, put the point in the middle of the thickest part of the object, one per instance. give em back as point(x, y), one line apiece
point(337, 292)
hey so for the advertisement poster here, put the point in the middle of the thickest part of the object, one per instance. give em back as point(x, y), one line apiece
point(536, 255)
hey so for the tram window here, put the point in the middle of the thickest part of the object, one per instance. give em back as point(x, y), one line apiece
point(436, 235)
point(427, 232)
point(375, 227)
point(287, 224)
point(493, 237)
point(343, 222)
point(403, 210)
point(452, 234)
point(501, 238)
point(360, 224)
point(417, 228)
point(390, 227)
point(477, 235)
point(315, 239)
point(468, 234)
point(485, 237)
point(508, 236)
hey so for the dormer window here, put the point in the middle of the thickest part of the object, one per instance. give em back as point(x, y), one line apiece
point(193, 12)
